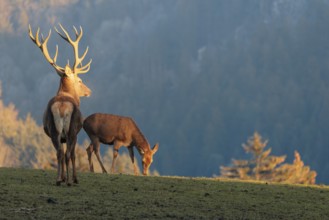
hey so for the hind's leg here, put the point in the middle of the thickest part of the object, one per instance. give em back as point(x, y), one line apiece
point(90, 150)
point(116, 147)
point(132, 157)
point(96, 145)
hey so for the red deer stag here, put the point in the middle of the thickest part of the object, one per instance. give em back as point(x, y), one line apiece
point(62, 119)
point(117, 131)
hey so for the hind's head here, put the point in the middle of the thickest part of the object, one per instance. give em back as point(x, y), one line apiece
point(147, 158)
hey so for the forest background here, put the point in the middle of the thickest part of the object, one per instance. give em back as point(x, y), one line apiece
point(199, 77)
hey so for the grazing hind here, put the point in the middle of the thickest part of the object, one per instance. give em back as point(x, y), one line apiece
point(62, 119)
point(117, 131)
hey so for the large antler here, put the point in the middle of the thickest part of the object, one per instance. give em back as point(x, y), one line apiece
point(75, 45)
point(43, 47)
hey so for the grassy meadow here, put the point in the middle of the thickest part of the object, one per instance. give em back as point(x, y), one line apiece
point(32, 194)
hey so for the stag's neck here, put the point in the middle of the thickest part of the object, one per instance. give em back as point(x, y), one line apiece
point(66, 88)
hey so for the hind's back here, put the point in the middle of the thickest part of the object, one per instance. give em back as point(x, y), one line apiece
point(108, 127)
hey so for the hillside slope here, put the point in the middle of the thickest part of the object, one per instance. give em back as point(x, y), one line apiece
point(32, 194)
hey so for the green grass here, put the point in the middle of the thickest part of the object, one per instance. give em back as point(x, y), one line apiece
point(32, 194)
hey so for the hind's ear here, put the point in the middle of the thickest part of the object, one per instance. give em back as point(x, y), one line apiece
point(155, 148)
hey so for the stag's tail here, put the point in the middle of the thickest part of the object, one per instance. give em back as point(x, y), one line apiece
point(62, 112)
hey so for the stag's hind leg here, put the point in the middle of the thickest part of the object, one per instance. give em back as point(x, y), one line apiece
point(70, 156)
point(74, 174)
point(60, 160)
point(63, 177)
point(67, 162)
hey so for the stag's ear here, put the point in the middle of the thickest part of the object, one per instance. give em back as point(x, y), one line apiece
point(155, 148)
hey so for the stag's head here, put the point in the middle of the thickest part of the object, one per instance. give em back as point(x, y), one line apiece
point(70, 82)
point(147, 158)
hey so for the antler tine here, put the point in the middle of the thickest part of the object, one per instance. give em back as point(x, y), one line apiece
point(43, 47)
point(84, 54)
point(85, 68)
point(76, 32)
point(31, 34)
point(81, 32)
point(56, 52)
point(36, 38)
point(75, 45)
point(67, 37)
point(37, 41)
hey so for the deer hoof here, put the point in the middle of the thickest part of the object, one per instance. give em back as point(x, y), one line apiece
point(69, 184)
point(76, 181)
point(58, 183)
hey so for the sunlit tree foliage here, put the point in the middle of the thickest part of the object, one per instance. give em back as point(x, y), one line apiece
point(263, 166)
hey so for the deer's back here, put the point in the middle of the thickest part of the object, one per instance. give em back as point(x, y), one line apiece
point(108, 127)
